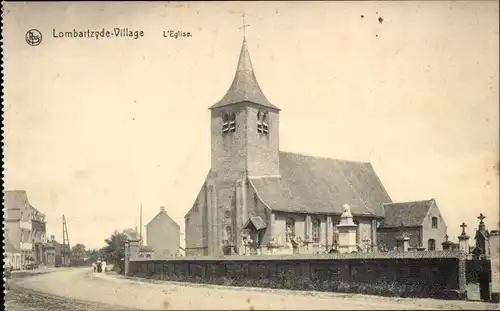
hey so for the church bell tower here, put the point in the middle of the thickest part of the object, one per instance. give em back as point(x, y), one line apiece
point(244, 127)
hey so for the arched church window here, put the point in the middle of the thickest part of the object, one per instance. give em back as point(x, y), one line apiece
point(290, 229)
point(316, 227)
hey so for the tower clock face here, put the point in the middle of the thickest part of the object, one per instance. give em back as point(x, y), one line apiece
point(228, 214)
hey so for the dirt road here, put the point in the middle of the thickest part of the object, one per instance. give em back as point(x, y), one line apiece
point(114, 291)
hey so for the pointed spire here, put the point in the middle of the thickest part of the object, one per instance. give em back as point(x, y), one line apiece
point(245, 86)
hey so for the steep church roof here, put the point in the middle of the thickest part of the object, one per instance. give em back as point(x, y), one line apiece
point(408, 214)
point(321, 185)
point(245, 87)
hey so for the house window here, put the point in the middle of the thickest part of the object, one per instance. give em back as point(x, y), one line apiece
point(316, 228)
point(290, 229)
point(262, 123)
point(434, 222)
point(431, 245)
point(228, 122)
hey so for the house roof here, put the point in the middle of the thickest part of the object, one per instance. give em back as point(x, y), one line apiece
point(257, 222)
point(245, 87)
point(162, 216)
point(408, 214)
point(321, 185)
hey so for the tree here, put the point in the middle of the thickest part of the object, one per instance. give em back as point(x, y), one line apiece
point(114, 251)
point(78, 252)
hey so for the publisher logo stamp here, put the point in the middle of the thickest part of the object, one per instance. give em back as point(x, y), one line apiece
point(33, 37)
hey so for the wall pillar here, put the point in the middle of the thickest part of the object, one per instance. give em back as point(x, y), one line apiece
point(270, 227)
point(213, 224)
point(374, 236)
point(347, 232)
point(238, 219)
point(308, 228)
point(403, 243)
point(463, 241)
point(127, 259)
point(329, 232)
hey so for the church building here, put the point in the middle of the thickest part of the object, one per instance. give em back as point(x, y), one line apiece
point(271, 195)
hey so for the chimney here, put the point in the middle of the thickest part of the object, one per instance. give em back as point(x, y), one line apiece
point(162, 209)
point(52, 237)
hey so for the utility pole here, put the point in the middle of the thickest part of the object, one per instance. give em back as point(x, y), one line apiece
point(66, 248)
point(140, 228)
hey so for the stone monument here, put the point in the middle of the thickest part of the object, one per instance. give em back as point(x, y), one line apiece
point(463, 240)
point(403, 241)
point(347, 232)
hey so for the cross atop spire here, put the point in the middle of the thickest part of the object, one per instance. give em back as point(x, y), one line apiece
point(244, 25)
point(244, 87)
point(446, 237)
point(463, 226)
point(481, 218)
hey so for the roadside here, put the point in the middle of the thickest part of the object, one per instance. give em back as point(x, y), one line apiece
point(227, 297)
point(20, 297)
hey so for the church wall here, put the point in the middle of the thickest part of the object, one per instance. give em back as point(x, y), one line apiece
point(364, 229)
point(280, 225)
point(263, 150)
point(226, 214)
point(228, 151)
point(256, 208)
point(196, 226)
point(431, 233)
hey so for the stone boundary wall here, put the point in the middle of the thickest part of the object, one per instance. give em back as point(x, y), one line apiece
point(412, 274)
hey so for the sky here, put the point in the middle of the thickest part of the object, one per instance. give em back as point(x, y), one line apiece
point(95, 128)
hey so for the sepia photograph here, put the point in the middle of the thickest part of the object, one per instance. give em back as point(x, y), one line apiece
point(270, 155)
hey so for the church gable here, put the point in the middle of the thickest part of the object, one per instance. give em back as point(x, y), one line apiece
point(319, 185)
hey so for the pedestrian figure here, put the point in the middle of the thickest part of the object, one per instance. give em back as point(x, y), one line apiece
point(94, 266)
point(99, 265)
point(103, 265)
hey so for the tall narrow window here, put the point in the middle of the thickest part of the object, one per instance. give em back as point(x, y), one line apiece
point(262, 125)
point(316, 228)
point(290, 229)
point(434, 222)
point(431, 245)
point(265, 127)
point(259, 122)
point(225, 123)
point(228, 122)
point(232, 122)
